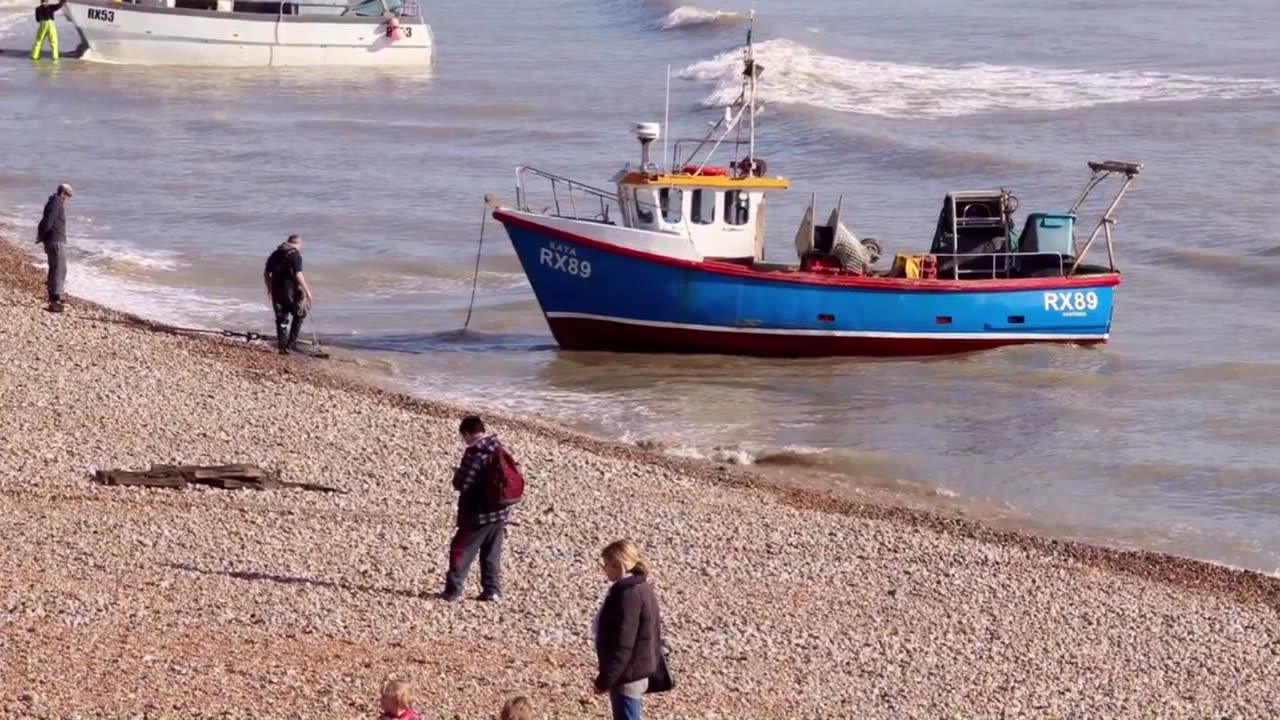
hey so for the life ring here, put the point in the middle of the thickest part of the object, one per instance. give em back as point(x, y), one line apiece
point(707, 171)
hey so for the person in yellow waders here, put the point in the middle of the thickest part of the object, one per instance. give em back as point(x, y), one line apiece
point(44, 16)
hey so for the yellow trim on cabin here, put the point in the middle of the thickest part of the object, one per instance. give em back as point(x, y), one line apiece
point(708, 181)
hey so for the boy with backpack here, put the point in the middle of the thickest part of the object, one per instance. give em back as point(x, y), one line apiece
point(489, 485)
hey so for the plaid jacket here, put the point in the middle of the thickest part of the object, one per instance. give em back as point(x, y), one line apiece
point(469, 480)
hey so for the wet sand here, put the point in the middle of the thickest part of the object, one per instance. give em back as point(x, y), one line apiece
point(779, 602)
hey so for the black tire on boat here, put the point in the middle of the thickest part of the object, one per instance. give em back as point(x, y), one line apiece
point(1082, 270)
point(1093, 270)
point(1046, 272)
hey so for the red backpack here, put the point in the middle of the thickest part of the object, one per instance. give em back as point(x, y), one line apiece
point(505, 483)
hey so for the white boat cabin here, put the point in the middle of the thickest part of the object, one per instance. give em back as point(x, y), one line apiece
point(720, 210)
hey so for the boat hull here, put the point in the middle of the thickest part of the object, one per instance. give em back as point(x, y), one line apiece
point(158, 35)
point(600, 297)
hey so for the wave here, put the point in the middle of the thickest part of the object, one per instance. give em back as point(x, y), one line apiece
point(98, 270)
point(392, 276)
point(123, 256)
point(693, 16)
point(798, 75)
point(161, 303)
point(88, 245)
point(1232, 372)
point(1244, 270)
point(836, 460)
point(822, 468)
point(12, 19)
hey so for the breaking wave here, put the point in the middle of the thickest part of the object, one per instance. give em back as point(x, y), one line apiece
point(693, 16)
point(89, 244)
point(798, 75)
point(121, 255)
point(822, 468)
point(1242, 269)
point(102, 271)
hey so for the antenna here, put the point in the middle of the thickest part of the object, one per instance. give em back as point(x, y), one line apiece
point(666, 123)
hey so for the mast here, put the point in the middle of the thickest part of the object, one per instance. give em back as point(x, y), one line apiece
point(745, 102)
point(750, 70)
point(666, 124)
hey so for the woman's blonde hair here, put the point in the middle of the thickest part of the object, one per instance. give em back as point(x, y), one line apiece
point(517, 708)
point(401, 691)
point(625, 553)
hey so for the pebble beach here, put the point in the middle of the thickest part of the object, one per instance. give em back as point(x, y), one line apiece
point(777, 602)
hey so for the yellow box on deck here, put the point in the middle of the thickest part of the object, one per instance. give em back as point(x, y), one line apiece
point(908, 266)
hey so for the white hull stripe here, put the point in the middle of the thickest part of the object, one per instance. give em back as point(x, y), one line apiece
point(830, 333)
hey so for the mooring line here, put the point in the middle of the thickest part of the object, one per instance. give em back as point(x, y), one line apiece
point(475, 278)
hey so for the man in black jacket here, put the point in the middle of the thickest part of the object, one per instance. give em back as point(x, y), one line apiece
point(481, 526)
point(287, 291)
point(52, 233)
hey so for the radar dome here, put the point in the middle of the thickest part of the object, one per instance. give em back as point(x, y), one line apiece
point(648, 130)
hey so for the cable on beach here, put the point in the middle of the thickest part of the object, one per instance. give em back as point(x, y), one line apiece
point(248, 335)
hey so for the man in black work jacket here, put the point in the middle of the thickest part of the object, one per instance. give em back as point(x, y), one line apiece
point(288, 292)
point(52, 233)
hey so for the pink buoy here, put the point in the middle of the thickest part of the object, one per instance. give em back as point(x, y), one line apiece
point(394, 24)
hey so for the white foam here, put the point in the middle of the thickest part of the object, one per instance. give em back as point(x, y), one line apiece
point(10, 20)
point(797, 75)
point(87, 244)
point(723, 454)
point(177, 306)
point(691, 15)
point(14, 14)
point(162, 303)
point(93, 276)
point(115, 253)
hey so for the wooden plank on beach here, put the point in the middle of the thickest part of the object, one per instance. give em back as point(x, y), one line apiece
point(237, 476)
point(239, 471)
point(144, 479)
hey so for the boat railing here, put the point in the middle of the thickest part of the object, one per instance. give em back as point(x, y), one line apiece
point(569, 198)
point(361, 9)
point(1000, 265)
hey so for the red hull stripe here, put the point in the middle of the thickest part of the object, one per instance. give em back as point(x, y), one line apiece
point(582, 334)
point(942, 337)
point(850, 281)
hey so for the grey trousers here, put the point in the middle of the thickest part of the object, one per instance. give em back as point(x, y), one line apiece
point(56, 252)
point(467, 541)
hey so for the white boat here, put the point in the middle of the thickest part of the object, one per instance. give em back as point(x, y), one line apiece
point(252, 32)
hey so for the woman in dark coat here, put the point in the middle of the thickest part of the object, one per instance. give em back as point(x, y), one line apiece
point(628, 631)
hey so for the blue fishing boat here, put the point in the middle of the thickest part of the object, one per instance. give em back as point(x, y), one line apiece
point(672, 260)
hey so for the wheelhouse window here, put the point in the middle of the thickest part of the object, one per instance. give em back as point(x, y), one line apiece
point(704, 206)
point(644, 206)
point(672, 202)
point(737, 207)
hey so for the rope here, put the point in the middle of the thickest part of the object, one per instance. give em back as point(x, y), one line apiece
point(249, 336)
point(475, 278)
